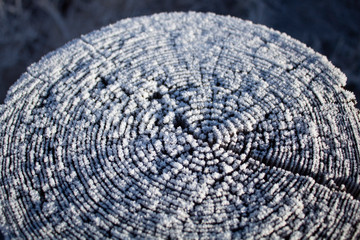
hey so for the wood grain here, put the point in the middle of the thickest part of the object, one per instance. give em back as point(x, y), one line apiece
point(180, 125)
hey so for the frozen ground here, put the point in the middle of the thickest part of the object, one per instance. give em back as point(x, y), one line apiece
point(31, 28)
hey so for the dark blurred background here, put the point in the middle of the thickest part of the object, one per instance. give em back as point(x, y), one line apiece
point(31, 28)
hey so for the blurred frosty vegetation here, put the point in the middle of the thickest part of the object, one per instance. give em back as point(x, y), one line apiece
point(31, 28)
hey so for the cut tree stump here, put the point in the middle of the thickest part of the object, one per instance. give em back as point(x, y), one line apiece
point(180, 125)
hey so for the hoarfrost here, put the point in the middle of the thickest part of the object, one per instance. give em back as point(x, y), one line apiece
point(180, 125)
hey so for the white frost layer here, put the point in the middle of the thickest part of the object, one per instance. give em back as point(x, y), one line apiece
point(180, 125)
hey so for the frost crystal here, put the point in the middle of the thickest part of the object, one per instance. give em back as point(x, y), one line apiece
point(180, 125)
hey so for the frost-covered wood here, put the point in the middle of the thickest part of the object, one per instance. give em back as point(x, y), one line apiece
point(182, 125)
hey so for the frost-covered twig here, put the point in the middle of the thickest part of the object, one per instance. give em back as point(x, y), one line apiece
point(180, 125)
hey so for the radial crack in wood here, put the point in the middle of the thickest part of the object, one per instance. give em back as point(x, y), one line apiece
point(180, 125)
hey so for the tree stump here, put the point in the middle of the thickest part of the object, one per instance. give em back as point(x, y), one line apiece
point(180, 125)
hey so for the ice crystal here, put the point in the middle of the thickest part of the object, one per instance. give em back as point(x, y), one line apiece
point(180, 125)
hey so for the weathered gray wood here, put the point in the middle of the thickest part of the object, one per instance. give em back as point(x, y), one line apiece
point(181, 125)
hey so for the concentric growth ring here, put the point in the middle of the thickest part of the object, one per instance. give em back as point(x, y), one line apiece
point(181, 125)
